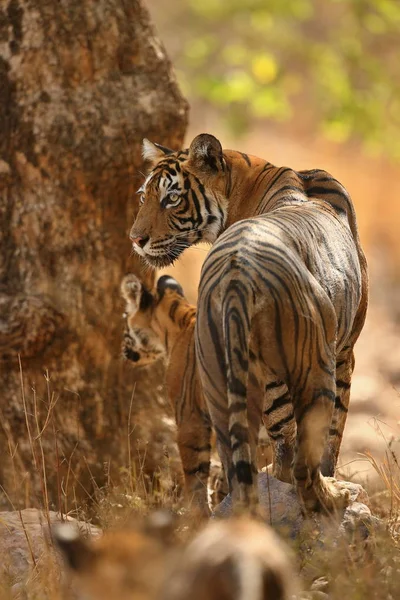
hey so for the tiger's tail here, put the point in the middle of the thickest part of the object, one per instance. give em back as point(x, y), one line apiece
point(237, 304)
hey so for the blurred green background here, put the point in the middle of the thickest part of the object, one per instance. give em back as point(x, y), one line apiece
point(331, 65)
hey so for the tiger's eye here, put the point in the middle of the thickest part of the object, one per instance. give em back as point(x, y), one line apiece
point(173, 198)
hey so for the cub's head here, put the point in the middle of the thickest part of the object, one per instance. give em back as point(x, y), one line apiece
point(150, 317)
point(125, 563)
point(182, 201)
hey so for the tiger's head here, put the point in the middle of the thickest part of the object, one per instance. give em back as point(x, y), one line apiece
point(182, 201)
point(128, 562)
point(149, 312)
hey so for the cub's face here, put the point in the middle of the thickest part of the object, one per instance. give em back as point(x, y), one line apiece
point(181, 200)
point(123, 564)
point(140, 345)
point(149, 317)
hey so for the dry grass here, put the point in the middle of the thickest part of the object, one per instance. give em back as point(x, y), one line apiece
point(361, 570)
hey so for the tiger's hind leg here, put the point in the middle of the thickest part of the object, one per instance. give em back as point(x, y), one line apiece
point(344, 371)
point(313, 411)
point(278, 418)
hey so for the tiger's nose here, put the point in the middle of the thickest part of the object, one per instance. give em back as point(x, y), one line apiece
point(140, 240)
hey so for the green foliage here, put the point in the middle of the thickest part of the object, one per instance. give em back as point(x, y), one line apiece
point(334, 65)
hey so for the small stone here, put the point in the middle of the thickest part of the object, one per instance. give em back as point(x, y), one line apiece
point(320, 585)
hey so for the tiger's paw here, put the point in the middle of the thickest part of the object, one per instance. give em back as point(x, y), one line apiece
point(333, 494)
point(326, 495)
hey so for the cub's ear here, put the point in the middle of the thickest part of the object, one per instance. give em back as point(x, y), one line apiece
point(136, 294)
point(131, 288)
point(78, 553)
point(161, 525)
point(166, 282)
point(205, 154)
point(154, 152)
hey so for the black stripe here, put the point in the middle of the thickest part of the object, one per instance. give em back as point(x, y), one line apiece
point(342, 384)
point(274, 384)
point(203, 467)
point(239, 432)
point(340, 406)
point(244, 472)
point(205, 448)
point(237, 407)
point(335, 432)
point(278, 426)
point(246, 158)
point(278, 403)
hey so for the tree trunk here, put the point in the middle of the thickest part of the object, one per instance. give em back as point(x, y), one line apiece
point(81, 83)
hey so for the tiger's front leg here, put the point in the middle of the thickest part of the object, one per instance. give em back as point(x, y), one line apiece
point(194, 442)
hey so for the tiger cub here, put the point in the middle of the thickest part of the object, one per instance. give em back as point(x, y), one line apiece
point(160, 326)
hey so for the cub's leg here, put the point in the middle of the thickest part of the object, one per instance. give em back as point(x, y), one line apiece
point(194, 442)
point(278, 417)
point(344, 371)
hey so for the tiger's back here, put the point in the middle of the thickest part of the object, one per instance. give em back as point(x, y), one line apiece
point(271, 301)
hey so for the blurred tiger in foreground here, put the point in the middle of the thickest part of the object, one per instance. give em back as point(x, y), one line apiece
point(228, 560)
point(282, 299)
point(160, 325)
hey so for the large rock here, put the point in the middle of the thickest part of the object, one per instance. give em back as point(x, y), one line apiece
point(283, 512)
point(25, 542)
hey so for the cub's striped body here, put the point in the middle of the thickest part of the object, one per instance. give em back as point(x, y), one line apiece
point(282, 301)
point(160, 325)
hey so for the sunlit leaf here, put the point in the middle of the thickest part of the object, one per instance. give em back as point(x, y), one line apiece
point(340, 59)
point(264, 68)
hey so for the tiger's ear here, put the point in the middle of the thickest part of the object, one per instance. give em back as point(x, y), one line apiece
point(168, 282)
point(131, 291)
point(136, 294)
point(154, 152)
point(78, 553)
point(205, 153)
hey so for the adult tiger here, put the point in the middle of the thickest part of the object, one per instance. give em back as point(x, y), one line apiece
point(282, 297)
